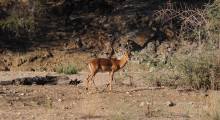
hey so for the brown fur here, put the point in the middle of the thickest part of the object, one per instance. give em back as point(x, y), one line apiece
point(106, 65)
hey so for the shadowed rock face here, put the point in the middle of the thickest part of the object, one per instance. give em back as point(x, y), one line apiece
point(48, 80)
point(92, 22)
point(102, 28)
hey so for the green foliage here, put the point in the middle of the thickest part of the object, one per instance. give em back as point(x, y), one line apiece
point(49, 104)
point(211, 29)
point(213, 14)
point(199, 72)
point(22, 16)
point(59, 69)
point(161, 73)
point(69, 69)
point(42, 9)
point(16, 23)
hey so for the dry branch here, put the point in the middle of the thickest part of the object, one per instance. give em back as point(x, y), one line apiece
point(186, 18)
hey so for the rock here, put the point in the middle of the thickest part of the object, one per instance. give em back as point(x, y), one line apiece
point(190, 103)
point(8, 52)
point(33, 58)
point(60, 100)
point(4, 88)
point(152, 69)
point(22, 94)
point(171, 104)
point(19, 113)
point(149, 103)
point(78, 43)
point(126, 82)
point(4, 68)
point(151, 48)
point(142, 104)
point(31, 69)
point(142, 36)
point(20, 61)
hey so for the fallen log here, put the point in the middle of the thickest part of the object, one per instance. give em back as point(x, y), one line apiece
point(38, 80)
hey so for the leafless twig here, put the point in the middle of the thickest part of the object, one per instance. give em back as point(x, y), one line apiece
point(186, 17)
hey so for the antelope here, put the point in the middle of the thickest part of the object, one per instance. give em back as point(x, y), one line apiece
point(110, 65)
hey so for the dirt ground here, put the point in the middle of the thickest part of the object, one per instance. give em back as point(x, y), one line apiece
point(69, 102)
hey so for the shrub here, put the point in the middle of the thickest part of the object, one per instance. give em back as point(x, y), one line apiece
point(60, 69)
point(194, 24)
point(69, 69)
point(21, 17)
point(213, 24)
point(196, 71)
point(200, 72)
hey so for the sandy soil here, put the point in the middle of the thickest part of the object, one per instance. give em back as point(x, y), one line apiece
point(68, 102)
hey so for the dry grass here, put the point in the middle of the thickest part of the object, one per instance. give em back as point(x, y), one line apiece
point(212, 109)
point(91, 106)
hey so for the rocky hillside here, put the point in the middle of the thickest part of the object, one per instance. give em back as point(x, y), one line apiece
point(99, 28)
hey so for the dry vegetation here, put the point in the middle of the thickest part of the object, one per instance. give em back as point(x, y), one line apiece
point(181, 84)
point(211, 110)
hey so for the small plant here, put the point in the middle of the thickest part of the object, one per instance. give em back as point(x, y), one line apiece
point(90, 106)
point(48, 103)
point(59, 69)
point(69, 69)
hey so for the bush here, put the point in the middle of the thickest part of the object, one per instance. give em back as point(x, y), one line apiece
point(69, 69)
point(21, 17)
point(200, 26)
point(197, 72)
point(194, 24)
point(213, 24)
point(60, 69)
point(200, 72)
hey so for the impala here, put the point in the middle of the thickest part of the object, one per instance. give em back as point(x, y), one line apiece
point(106, 65)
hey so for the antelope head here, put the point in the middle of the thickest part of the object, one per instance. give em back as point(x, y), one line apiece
point(127, 56)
